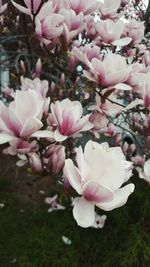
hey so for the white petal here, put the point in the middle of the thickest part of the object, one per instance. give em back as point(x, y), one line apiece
point(122, 86)
point(122, 42)
point(83, 212)
point(43, 134)
point(72, 174)
point(106, 165)
point(30, 126)
point(21, 8)
point(120, 198)
point(4, 138)
point(134, 103)
point(59, 137)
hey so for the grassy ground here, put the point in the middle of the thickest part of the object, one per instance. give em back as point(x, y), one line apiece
point(31, 237)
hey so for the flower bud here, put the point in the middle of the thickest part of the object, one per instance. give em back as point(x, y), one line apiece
point(54, 158)
point(35, 163)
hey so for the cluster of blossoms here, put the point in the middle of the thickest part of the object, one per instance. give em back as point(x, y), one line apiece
point(98, 70)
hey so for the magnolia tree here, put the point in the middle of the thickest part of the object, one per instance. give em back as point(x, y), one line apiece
point(78, 101)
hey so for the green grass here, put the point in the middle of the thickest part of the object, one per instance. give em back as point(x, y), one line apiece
point(33, 237)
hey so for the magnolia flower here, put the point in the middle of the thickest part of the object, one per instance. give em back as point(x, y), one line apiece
point(2, 7)
point(108, 8)
point(99, 122)
point(48, 25)
point(85, 53)
point(19, 146)
point(109, 106)
point(73, 24)
point(98, 179)
point(40, 87)
point(22, 117)
point(35, 163)
point(66, 117)
point(111, 72)
point(85, 6)
point(135, 30)
point(110, 32)
point(31, 6)
point(146, 171)
point(54, 157)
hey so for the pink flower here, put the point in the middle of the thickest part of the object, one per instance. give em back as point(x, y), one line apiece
point(135, 30)
point(100, 173)
point(107, 106)
point(21, 147)
point(86, 53)
point(111, 72)
point(35, 163)
point(110, 32)
point(29, 8)
point(108, 8)
point(66, 117)
point(40, 87)
point(22, 117)
point(73, 24)
point(54, 157)
point(2, 7)
point(85, 6)
point(90, 27)
point(48, 24)
point(99, 122)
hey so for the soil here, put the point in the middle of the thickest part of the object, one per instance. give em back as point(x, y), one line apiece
point(21, 182)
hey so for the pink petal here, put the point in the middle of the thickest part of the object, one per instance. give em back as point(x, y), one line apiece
point(9, 121)
point(96, 193)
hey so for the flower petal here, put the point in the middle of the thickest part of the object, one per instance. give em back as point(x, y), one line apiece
point(83, 212)
point(21, 8)
point(43, 134)
point(120, 198)
point(96, 193)
point(72, 174)
point(30, 126)
point(4, 138)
